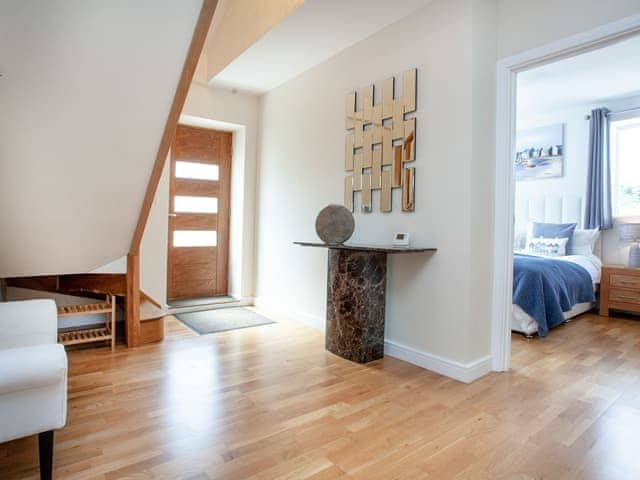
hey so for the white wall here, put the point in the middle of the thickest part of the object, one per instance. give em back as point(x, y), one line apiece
point(438, 305)
point(576, 137)
point(429, 297)
point(576, 141)
point(85, 94)
point(241, 110)
point(119, 265)
point(526, 24)
point(483, 28)
point(220, 109)
point(154, 245)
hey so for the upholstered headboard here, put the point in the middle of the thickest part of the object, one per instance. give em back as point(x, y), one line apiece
point(549, 209)
point(545, 208)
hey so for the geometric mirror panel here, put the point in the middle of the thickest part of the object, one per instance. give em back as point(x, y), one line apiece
point(380, 140)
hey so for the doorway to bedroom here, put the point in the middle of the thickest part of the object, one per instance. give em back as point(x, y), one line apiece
point(576, 204)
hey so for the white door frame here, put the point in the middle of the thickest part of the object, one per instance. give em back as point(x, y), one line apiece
point(504, 194)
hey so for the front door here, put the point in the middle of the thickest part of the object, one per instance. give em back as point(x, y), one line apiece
point(199, 189)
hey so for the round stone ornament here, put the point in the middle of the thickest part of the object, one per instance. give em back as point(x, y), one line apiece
point(335, 224)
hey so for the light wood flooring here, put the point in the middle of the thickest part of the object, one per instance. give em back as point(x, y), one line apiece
point(270, 403)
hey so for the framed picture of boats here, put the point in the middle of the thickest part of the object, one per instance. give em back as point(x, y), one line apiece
point(540, 153)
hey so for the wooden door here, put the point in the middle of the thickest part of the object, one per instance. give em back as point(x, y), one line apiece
point(199, 188)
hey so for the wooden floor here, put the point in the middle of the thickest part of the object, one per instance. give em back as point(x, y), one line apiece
point(270, 403)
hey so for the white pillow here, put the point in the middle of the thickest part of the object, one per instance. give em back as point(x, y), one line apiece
point(583, 242)
point(549, 247)
point(519, 240)
point(521, 235)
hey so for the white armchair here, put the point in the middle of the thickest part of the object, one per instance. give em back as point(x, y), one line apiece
point(33, 376)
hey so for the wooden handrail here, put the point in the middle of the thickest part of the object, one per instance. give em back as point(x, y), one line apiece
point(188, 70)
point(133, 259)
point(133, 301)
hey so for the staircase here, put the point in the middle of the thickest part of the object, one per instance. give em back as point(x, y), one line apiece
point(94, 214)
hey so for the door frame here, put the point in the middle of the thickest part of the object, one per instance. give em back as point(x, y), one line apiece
point(504, 184)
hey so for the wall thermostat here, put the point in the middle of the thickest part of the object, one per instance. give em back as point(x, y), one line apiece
point(400, 239)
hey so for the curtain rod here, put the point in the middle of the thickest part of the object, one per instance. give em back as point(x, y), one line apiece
point(588, 117)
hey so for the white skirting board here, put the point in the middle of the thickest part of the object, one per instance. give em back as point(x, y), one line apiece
point(465, 373)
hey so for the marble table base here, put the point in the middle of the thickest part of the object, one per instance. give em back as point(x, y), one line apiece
point(355, 304)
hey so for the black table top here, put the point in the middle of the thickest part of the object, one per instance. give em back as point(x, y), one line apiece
point(369, 248)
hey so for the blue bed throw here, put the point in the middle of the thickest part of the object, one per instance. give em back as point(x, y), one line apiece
point(546, 287)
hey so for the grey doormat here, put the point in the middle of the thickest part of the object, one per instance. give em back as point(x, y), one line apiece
point(222, 320)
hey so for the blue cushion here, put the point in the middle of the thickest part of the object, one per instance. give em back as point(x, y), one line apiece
point(554, 230)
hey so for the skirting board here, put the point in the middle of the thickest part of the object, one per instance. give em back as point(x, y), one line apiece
point(465, 373)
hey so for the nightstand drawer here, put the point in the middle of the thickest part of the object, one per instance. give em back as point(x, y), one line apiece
point(625, 281)
point(624, 295)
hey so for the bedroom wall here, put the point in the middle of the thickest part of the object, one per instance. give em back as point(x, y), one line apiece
point(573, 182)
point(430, 298)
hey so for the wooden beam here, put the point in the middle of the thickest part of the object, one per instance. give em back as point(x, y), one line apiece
point(45, 283)
point(189, 68)
point(111, 283)
point(133, 300)
point(74, 283)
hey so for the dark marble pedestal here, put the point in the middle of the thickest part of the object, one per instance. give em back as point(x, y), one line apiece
point(356, 285)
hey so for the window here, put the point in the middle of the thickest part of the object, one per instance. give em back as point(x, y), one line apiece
point(195, 204)
point(625, 166)
point(195, 238)
point(197, 171)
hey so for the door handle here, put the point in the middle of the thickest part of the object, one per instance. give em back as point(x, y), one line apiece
point(173, 214)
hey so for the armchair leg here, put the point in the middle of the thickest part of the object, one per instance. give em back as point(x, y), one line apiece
point(45, 449)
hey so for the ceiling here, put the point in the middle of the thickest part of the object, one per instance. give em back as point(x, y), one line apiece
point(603, 74)
point(311, 34)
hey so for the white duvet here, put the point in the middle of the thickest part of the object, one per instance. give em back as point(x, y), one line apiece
point(590, 263)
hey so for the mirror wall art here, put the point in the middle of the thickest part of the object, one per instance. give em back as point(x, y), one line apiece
point(380, 140)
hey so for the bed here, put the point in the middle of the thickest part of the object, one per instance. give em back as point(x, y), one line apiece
point(575, 273)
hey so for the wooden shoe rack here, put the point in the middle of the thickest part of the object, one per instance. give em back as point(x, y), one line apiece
point(102, 333)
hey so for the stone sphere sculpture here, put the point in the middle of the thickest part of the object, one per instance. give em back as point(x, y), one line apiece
point(334, 224)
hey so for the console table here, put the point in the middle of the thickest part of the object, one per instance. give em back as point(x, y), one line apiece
point(356, 284)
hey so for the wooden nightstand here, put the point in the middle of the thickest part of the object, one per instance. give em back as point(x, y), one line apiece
point(619, 289)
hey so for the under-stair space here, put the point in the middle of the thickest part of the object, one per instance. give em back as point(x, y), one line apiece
point(104, 332)
point(90, 291)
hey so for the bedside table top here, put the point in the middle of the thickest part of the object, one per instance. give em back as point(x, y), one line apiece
point(620, 267)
